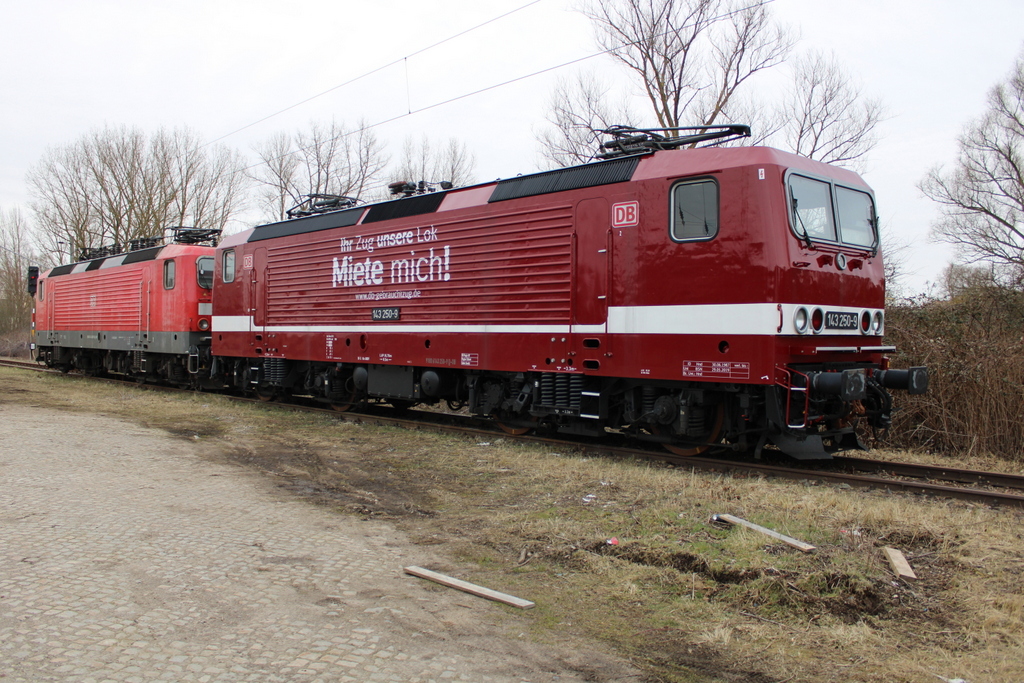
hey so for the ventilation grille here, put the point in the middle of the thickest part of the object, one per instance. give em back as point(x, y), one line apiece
point(144, 255)
point(299, 226)
point(402, 208)
point(274, 370)
point(560, 390)
point(591, 175)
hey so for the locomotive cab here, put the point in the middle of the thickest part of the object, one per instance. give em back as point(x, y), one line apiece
point(837, 371)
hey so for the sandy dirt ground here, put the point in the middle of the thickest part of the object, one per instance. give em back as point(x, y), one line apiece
point(130, 555)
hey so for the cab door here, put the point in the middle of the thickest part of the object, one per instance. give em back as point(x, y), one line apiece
point(256, 293)
point(590, 267)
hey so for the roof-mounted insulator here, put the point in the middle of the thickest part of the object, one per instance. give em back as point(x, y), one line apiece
point(313, 204)
point(90, 253)
point(186, 235)
point(144, 243)
point(409, 188)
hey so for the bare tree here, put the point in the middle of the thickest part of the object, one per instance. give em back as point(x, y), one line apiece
point(895, 266)
point(692, 60)
point(578, 110)
point(689, 56)
point(982, 197)
point(324, 159)
point(826, 116)
point(277, 175)
point(452, 162)
point(15, 256)
point(118, 184)
point(64, 205)
point(209, 181)
point(959, 280)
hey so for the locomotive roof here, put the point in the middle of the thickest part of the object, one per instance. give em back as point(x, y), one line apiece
point(127, 258)
point(649, 166)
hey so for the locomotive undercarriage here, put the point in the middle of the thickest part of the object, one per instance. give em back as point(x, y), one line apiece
point(183, 370)
point(817, 412)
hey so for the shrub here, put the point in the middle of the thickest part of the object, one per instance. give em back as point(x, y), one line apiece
point(972, 344)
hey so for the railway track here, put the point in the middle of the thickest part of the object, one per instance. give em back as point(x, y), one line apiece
point(16, 363)
point(989, 488)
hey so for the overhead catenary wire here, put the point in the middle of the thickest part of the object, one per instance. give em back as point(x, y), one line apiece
point(373, 71)
point(412, 112)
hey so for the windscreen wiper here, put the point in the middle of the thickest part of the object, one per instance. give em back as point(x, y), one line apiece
point(800, 220)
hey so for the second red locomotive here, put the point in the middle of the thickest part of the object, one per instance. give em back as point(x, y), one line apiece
point(145, 313)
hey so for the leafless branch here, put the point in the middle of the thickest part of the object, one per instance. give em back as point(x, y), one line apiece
point(828, 118)
point(982, 198)
point(451, 162)
point(118, 184)
point(579, 108)
point(322, 159)
point(690, 56)
point(16, 253)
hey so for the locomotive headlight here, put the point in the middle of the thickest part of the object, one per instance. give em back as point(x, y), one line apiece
point(865, 322)
point(204, 324)
point(876, 323)
point(801, 320)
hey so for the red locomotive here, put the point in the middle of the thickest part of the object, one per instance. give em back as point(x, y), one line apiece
point(144, 313)
point(720, 297)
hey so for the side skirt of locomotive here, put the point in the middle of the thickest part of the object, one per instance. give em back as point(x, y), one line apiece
point(814, 414)
point(185, 364)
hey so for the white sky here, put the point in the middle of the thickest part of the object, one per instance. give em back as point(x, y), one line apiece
point(68, 67)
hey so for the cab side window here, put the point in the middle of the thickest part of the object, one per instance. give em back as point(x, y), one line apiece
point(695, 210)
point(228, 270)
point(204, 272)
point(169, 274)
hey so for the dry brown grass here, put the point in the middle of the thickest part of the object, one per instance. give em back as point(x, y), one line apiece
point(688, 599)
point(15, 344)
point(974, 349)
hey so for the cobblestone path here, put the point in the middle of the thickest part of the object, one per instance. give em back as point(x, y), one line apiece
point(126, 556)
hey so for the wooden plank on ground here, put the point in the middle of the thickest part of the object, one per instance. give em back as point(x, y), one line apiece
point(899, 563)
point(788, 540)
point(469, 587)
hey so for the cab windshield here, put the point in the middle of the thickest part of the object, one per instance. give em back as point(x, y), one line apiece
point(822, 211)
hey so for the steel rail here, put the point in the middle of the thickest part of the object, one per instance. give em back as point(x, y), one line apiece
point(15, 363)
point(933, 472)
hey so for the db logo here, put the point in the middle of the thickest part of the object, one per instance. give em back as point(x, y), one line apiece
point(626, 215)
point(247, 261)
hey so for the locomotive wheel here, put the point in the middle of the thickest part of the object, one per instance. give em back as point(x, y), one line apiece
point(348, 404)
point(351, 401)
point(690, 451)
point(266, 394)
point(512, 430)
point(516, 427)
